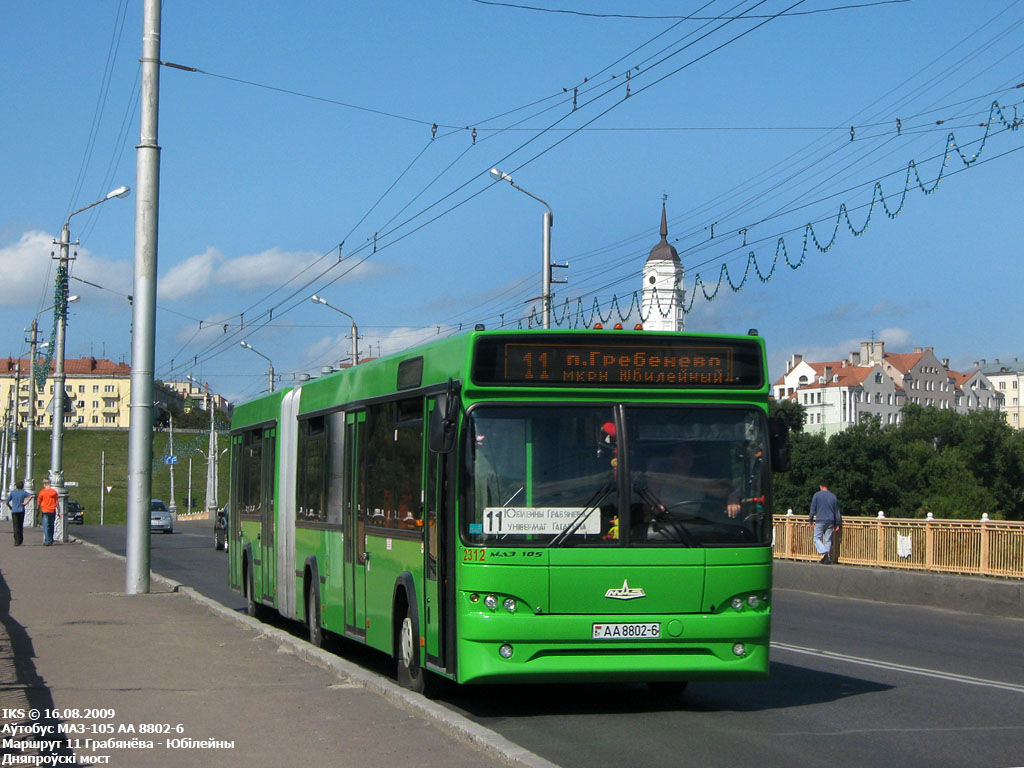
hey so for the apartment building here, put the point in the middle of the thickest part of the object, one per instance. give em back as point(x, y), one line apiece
point(99, 391)
point(1008, 379)
point(838, 394)
point(199, 394)
point(874, 382)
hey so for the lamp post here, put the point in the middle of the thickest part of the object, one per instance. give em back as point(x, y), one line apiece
point(211, 451)
point(545, 295)
point(57, 440)
point(355, 331)
point(248, 346)
point(34, 347)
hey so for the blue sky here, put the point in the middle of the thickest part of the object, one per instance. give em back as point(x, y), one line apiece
point(311, 125)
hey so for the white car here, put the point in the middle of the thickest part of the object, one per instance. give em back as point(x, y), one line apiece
point(160, 517)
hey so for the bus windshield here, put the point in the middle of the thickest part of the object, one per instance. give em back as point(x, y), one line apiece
point(611, 476)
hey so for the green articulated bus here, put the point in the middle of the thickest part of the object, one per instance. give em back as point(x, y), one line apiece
point(516, 506)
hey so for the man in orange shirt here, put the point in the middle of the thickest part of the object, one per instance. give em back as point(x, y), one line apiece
point(47, 501)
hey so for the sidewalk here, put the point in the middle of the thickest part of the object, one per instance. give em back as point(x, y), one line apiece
point(171, 679)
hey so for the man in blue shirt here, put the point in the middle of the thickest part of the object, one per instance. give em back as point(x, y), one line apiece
point(826, 519)
point(16, 499)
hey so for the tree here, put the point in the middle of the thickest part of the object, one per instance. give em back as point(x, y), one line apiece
point(791, 413)
point(939, 461)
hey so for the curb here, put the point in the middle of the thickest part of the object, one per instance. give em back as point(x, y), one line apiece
point(460, 726)
point(980, 595)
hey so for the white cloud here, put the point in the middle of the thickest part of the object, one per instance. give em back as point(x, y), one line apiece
point(263, 269)
point(190, 276)
point(895, 337)
point(26, 266)
point(210, 271)
point(331, 350)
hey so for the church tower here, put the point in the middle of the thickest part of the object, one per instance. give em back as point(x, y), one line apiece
point(662, 299)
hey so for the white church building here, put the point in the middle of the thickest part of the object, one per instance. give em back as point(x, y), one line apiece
point(661, 304)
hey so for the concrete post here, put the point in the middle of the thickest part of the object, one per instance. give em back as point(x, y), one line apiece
point(140, 430)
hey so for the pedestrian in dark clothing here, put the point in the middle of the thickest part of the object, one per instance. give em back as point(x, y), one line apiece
point(17, 499)
point(826, 519)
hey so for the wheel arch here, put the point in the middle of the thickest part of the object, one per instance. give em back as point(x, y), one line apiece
point(404, 597)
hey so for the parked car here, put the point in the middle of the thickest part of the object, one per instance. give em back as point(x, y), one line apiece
point(220, 529)
point(76, 513)
point(160, 517)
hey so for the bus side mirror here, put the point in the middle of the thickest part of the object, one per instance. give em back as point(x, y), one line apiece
point(778, 439)
point(443, 422)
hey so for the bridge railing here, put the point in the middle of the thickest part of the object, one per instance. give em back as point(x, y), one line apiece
point(980, 547)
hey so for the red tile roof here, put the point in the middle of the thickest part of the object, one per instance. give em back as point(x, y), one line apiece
point(903, 362)
point(82, 366)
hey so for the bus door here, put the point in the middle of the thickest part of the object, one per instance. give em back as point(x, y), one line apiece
point(268, 555)
point(438, 566)
point(355, 525)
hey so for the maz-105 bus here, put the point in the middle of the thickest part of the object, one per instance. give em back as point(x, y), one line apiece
point(521, 506)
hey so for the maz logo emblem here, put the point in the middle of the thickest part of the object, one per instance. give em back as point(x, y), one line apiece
point(625, 592)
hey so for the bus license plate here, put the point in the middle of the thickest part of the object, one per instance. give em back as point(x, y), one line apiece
point(635, 631)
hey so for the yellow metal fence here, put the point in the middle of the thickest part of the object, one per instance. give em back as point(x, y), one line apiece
point(979, 547)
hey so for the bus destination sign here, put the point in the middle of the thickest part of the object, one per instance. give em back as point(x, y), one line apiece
point(655, 362)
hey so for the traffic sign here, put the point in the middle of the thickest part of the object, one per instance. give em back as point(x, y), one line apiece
point(170, 459)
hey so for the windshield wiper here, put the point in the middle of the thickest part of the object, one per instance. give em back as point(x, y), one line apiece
point(584, 513)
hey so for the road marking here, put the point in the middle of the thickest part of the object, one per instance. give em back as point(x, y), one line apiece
point(965, 679)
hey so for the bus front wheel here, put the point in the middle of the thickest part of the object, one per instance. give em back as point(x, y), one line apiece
point(410, 674)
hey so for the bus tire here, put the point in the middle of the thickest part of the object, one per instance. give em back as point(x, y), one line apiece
point(316, 632)
point(410, 673)
point(250, 598)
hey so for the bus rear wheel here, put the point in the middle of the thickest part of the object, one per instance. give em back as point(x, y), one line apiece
point(316, 632)
point(250, 597)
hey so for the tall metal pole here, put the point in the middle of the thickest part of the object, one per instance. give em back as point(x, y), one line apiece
point(140, 429)
point(14, 429)
point(57, 432)
point(4, 456)
point(103, 482)
point(545, 279)
point(30, 509)
point(173, 507)
point(355, 331)
point(546, 270)
point(211, 455)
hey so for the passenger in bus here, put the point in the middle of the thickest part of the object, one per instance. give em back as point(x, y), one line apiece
point(406, 515)
point(673, 480)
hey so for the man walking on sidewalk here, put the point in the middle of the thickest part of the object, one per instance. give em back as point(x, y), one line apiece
point(17, 499)
point(47, 500)
point(826, 519)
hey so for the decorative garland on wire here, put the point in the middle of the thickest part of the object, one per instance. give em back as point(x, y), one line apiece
point(581, 318)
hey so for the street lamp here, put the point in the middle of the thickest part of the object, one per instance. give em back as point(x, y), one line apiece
point(34, 347)
point(355, 332)
point(57, 440)
point(211, 477)
point(545, 295)
point(248, 346)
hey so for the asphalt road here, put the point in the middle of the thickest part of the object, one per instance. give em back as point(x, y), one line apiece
point(853, 684)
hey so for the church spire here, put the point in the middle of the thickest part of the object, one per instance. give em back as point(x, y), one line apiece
point(664, 251)
point(662, 297)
